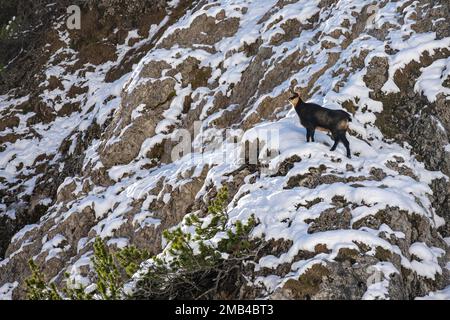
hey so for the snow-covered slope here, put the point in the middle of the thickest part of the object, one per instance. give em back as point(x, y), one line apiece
point(102, 162)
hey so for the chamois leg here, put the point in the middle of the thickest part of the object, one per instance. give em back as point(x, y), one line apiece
point(313, 132)
point(344, 140)
point(308, 134)
point(336, 138)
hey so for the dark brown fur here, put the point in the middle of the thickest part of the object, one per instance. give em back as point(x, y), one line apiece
point(312, 117)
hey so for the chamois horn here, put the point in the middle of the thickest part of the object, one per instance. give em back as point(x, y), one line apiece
point(293, 92)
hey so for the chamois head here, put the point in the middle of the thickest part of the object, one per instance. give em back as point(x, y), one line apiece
point(295, 98)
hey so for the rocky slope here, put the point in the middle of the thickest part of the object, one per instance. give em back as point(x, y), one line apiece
point(90, 119)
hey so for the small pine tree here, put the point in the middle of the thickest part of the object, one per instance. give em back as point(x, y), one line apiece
point(37, 287)
point(238, 241)
point(130, 259)
point(180, 242)
point(112, 272)
point(109, 282)
point(75, 291)
point(189, 273)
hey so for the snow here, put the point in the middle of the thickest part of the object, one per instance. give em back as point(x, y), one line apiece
point(77, 277)
point(301, 11)
point(275, 205)
point(428, 265)
point(378, 282)
point(49, 136)
point(11, 214)
point(334, 240)
point(19, 235)
point(437, 295)
point(8, 102)
point(106, 229)
point(137, 112)
point(82, 243)
point(235, 65)
point(430, 81)
point(145, 218)
point(53, 247)
point(67, 181)
point(171, 115)
point(267, 197)
point(120, 243)
point(7, 289)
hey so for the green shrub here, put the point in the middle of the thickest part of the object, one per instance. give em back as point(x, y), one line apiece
point(37, 287)
point(112, 271)
point(193, 267)
point(130, 259)
point(109, 282)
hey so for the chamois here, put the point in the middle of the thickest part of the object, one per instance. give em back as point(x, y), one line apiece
point(312, 117)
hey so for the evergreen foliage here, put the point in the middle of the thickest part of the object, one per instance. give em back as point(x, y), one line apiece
point(109, 282)
point(37, 287)
point(112, 271)
point(130, 259)
point(192, 266)
point(195, 268)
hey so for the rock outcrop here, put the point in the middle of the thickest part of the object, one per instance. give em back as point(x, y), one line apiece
point(92, 121)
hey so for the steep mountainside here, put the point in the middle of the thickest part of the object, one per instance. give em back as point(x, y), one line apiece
point(92, 121)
